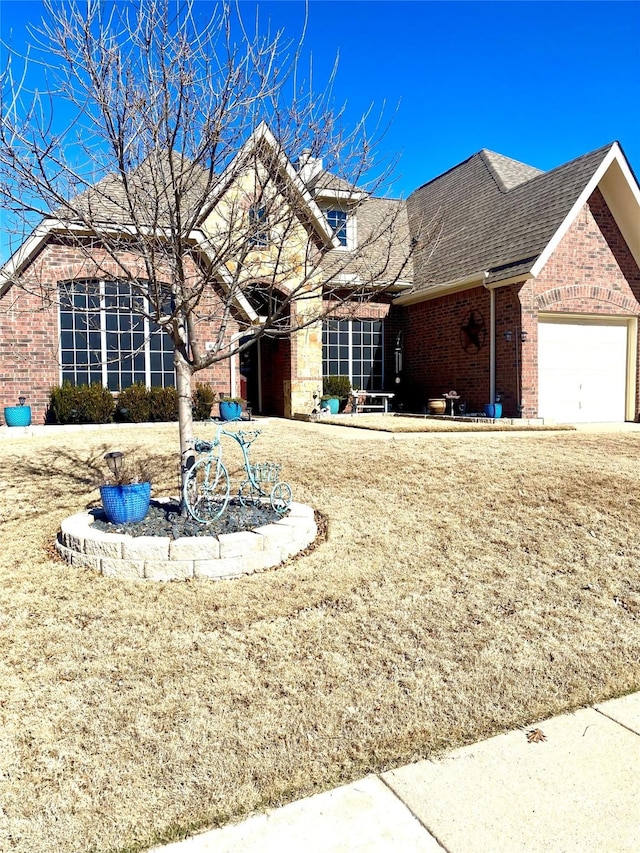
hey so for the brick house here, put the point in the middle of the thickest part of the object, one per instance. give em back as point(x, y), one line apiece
point(501, 279)
point(533, 289)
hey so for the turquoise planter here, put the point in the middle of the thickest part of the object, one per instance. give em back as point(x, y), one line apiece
point(230, 411)
point(333, 404)
point(17, 416)
point(124, 504)
point(493, 410)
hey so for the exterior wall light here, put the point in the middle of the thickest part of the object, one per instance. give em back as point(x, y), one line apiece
point(520, 333)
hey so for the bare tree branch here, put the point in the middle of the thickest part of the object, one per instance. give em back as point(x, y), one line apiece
point(187, 157)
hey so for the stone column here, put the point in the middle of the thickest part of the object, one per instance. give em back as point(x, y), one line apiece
point(306, 370)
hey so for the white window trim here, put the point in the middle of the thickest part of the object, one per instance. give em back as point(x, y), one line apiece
point(350, 345)
point(352, 226)
point(104, 365)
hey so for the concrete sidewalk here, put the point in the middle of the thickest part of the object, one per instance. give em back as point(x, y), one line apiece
point(577, 790)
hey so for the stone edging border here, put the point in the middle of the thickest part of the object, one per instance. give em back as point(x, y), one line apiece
point(161, 558)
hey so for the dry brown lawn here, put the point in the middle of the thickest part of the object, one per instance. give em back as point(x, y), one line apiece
point(407, 423)
point(469, 584)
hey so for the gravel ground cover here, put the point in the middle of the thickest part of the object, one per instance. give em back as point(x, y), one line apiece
point(468, 584)
point(164, 519)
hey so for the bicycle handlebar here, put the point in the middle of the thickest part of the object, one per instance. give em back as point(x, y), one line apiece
point(243, 437)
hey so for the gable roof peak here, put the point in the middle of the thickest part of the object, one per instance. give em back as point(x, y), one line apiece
point(506, 172)
point(511, 230)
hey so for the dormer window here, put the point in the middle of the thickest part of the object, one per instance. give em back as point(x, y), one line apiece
point(259, 233)
point(337, 221)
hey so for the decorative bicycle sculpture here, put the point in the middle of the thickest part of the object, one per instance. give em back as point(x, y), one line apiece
point(207, 487)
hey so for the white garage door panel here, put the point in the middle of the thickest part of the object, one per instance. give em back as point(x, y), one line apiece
point(582, 372)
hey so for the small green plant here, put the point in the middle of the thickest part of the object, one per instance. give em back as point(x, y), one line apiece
point(203, 399)
point(99, 404)
point(240, 400)
point(163, 403)
point(62, 404)
point(134, 404)
point(336, 386)
point(80, 404)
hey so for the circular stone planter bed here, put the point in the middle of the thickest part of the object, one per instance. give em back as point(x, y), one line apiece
point(163, 558)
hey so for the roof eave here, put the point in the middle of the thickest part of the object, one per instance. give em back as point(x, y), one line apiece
point(203, 244)
point(514, 279)
point(340, 195)
point(627, 183)
point(25, 253)
point(467, 283)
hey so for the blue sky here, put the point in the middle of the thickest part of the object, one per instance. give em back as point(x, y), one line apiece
point(542, 82)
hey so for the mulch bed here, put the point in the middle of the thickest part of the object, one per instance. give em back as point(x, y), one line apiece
point(164, 519)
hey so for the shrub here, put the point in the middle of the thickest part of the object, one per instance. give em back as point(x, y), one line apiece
point(203, 400)
point(98, 404)
point(163, 404)
point(134, 404)
point(336, 386)
point(80, 404)
point(62, 404)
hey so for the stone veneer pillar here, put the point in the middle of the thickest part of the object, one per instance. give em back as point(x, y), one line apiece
point(306, 370)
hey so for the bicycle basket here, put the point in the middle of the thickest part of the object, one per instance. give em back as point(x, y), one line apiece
point(266, 472)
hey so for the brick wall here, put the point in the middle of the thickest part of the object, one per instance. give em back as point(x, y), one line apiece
point(29, 334)
point(435, 358)
point(510, 354)
point(591, 272)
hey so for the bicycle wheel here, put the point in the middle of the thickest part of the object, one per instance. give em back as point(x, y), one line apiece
point(281, 496)
point(206, 490)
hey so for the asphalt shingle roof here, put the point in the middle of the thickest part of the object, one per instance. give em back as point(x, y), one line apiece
point(383, 255)
point(488, 213)
point(150, 185)
point(494, 214)
point(324, 180)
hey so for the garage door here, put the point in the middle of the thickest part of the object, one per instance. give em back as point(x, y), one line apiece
point(582, 371)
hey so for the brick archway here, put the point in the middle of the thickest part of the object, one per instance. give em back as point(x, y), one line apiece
point(589, 295)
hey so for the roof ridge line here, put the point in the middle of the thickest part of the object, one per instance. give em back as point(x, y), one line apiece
point(503, 183)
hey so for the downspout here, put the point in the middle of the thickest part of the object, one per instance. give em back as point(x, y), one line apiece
point(492, 343)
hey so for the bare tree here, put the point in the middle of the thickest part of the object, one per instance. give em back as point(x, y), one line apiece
point(161, 146)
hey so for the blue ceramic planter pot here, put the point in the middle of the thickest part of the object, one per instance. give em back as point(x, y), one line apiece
point(17, 416)
point(230, 411)
point(493, 410)
point(333, 404)
point(123, 504)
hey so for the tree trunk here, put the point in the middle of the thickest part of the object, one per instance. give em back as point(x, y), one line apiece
point(185, 419)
